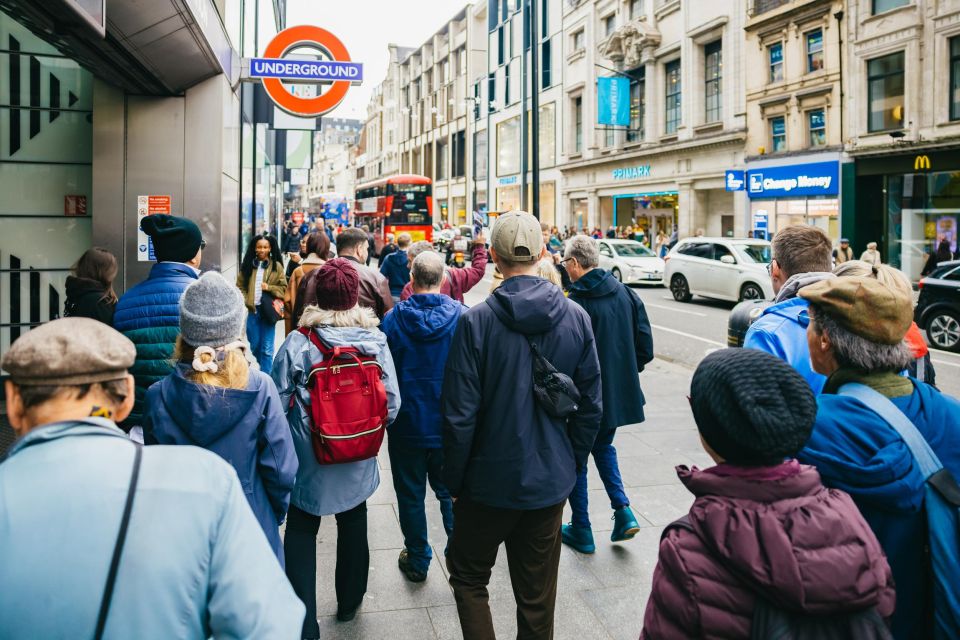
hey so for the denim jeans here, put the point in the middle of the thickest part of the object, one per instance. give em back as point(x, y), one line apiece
point(605, 457)
point(412, 468)
point(262, 336)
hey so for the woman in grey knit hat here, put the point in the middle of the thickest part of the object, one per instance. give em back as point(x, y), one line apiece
point(216, 400)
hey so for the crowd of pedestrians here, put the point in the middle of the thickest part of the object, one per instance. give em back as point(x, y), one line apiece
point(829, 513)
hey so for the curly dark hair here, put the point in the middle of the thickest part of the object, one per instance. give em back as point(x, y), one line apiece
point(246, 267)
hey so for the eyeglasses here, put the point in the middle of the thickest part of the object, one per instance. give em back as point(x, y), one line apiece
point(203, 244)
point(770, 267)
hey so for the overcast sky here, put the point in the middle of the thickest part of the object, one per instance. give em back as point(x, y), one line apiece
point(366, 27)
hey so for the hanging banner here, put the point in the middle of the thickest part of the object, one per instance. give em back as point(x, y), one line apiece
point(613, 101)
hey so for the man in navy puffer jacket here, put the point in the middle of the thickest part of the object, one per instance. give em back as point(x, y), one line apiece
point(149, 313)
point(419, 331)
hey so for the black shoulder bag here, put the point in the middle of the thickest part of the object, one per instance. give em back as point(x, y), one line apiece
point(553, 390)
point(118, 546)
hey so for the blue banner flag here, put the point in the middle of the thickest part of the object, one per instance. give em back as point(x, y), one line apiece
point(613, 101)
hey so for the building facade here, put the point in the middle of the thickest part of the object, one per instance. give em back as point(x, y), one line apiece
point(903, 81)
point(684, 65)
point(333, 171)
point(794, 101)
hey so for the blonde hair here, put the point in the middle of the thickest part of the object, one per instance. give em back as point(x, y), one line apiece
point(363, 317)
point(233, 372)
point(884, 274)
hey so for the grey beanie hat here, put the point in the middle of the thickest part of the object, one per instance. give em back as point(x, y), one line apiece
point(212, 312)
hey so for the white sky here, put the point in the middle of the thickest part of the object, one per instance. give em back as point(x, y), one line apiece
point(366, 27)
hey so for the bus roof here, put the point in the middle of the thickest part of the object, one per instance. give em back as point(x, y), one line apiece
point(403, 178)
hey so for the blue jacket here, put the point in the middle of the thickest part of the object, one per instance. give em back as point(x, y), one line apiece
point(624, 343)
point(778, 332)
point(419, 331)
point(149, 315)
point(195, 563)
point(499, 447)
point(396, 269)
point(245, 427)
point(857, 451)
point(327, 489)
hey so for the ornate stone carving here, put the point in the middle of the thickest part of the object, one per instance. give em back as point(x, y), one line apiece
point(631, 45)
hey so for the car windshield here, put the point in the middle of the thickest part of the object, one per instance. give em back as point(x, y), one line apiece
point(633, 251)
point(753, 253)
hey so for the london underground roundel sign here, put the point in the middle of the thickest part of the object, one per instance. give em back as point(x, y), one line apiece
point(337, 73)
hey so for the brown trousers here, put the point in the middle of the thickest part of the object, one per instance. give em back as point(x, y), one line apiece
point(532, 540)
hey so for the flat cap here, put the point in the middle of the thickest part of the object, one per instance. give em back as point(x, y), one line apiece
point(69, 351)
point(864, 307)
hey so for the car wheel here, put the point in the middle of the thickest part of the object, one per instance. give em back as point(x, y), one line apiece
point(751, 291)
point(943, 330)
point(616, 274)
point(680, 289)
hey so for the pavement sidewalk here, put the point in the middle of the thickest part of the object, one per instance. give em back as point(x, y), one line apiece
point(601, 596)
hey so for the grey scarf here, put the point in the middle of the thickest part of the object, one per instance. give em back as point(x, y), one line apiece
point(799, 281)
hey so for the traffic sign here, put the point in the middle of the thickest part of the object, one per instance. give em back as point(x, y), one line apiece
point(339, 71)
point(148, 206)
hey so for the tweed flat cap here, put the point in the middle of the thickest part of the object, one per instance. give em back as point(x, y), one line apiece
point(69, 351)
point(864, 307)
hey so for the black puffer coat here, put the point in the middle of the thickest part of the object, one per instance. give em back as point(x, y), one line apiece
point(85, 299)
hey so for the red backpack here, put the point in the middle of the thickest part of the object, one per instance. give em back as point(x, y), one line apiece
point(348, 404)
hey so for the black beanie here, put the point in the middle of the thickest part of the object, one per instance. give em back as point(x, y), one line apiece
point(174, 239)
point(751, 407)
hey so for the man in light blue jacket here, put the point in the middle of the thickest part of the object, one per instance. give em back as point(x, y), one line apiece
point(801, 257)
point(193, 564)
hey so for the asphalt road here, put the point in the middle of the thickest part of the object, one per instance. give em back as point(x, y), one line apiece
point(683, 333)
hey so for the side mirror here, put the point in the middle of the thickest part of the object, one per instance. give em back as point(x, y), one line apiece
point(727, 259)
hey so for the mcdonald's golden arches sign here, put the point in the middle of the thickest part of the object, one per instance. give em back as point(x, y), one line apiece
point(921, 163)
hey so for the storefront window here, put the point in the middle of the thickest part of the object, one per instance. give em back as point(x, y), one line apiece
point(508, 198)
point(814, 50)
point(508, 146)
point(923, 211)
point(673, 94)
point(548, 205)
point(778, 134)
point(578, 213)
point(817, 124)
point(775, 51)
point(712, 73)
point(885, 89)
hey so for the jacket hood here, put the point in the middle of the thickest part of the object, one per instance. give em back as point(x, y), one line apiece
point(528, 305)
point(78, 286)
point(787, 537)
point(595, 283)
point(428, 316)
point(205, 414)
point(789, 309)
point(369, 342)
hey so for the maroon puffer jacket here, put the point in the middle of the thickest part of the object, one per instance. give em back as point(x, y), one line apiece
point(775, 530)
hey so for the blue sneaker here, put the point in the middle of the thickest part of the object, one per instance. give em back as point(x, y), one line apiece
point(625, 525)
point(580, 538)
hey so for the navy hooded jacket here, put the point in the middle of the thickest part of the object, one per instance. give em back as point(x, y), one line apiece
point(499, 447)
point(396, 269)
point(855, 450)
point(419, 331)
point(624, 343)
point(245, 427)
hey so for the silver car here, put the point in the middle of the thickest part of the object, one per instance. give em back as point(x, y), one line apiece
point(630, 262)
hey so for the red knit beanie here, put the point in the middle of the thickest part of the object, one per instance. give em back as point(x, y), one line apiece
point(338, 285)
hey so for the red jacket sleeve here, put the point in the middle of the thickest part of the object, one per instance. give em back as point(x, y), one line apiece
point(462, 280)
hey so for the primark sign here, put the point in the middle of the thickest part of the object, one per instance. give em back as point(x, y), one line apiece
point(799, 180)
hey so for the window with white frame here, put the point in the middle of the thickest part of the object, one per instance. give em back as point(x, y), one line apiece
point(579, 40)
point(775, 53)
point(814, 41)
point(712, 80)
point(609, 24)
point(817, 127)
point(778, 134)
point(673, 95)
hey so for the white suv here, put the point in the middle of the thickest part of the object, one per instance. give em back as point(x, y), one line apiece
point(724, 268)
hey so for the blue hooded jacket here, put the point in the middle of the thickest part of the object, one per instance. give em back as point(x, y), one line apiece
point(245, 427)
point(855, 450)
point(778, 332)
point(419, 331)
point(396, 269)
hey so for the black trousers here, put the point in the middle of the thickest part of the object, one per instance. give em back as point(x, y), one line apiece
point(353, 560)
point(532, 539)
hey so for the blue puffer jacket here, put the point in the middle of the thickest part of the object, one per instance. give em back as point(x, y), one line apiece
point(419, 331)
point(245, 427)
point(149, 315)
point(778, 332)
point(396, 269)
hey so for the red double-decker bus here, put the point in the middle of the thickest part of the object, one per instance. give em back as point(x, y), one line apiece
point(397, 204)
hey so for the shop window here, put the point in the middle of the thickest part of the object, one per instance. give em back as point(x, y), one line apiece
point(508, 146)
point(817, 124)
point(578, 124)
point(636, 9)
point(775, 51)
point(885, 92)
point(609, 24)
point(955, 78)
point(879, 6)
point(778, 134)
point(673, 95)
point(637, 107)
point(712, 74)
point(579, 40)
point(814, 41)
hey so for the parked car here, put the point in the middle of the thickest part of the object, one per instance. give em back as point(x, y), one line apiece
point(630, 262)
point(938, 307)
point(731, 269)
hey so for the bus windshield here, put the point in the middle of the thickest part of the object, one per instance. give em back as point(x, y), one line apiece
point(409, 203)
